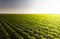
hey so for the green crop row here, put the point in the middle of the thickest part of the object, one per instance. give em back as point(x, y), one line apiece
point(30, 27)
point(13, 34)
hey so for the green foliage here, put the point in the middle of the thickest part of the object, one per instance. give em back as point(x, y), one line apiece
point(29, 26)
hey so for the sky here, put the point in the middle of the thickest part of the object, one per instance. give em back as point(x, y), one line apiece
point(30, 6)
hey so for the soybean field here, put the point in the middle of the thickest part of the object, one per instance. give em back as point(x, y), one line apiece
point(29, 26)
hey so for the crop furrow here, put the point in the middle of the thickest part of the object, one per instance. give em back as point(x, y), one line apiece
point(20, 31)
point(13, 34)
point(3, 33)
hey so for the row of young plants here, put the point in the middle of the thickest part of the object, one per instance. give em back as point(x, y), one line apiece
point(50, 30)
point(20, 31)
point(13, 34)
point(3, 33)
point(35, 35)
point(54, 30)
point(27, 30)
point(35, 31)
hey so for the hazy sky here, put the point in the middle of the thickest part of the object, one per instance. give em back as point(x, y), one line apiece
point(30, 6)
